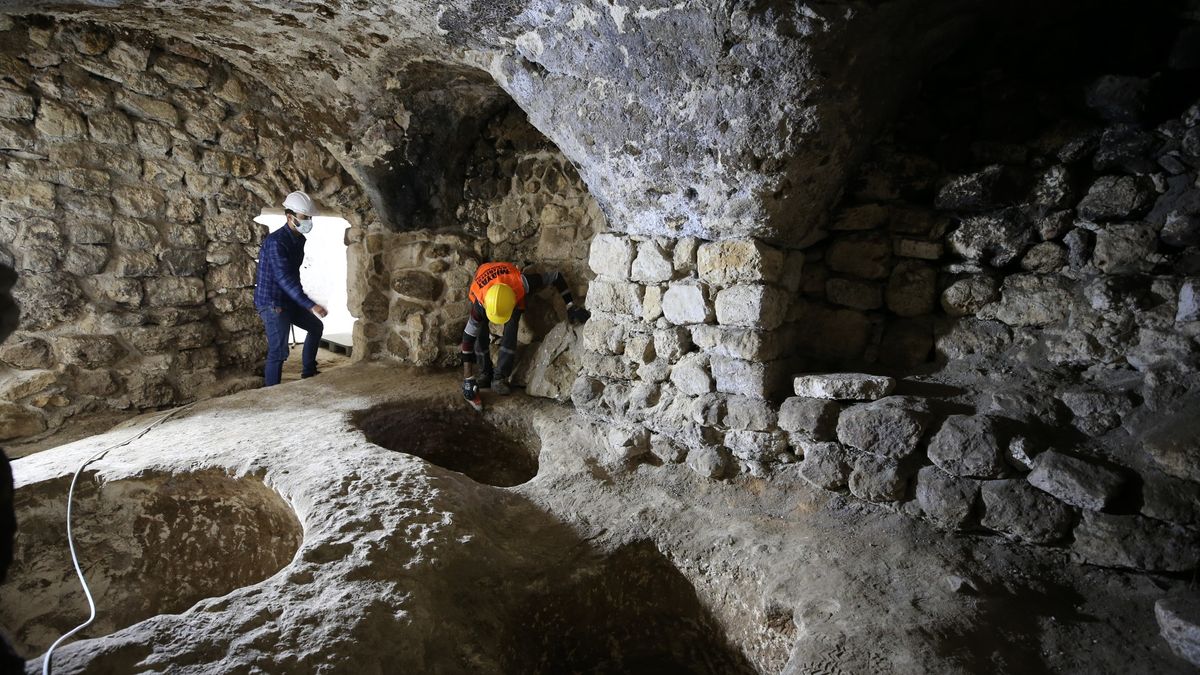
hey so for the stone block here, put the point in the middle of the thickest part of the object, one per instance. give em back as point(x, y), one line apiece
point(877, 479)
point(793, 271)
point(814, 418)
point(239, 274)
point(666, 449)
point(740, 343)
point(825, 465)
point(844, 386)
point(135, 264)
point(174, 291)
point(971, 337)
point(120, 290)
point(148, 107)
point(749, 414)
point(652, 307)
point(1117, 198)
point(970, 446)
point(755, 446)
point(980, 191)
point(615, 297)
point(854, 293)
point(415, 285)
point(1134, 542)
point(57, 121)
point(627, 442)
point(181, 72)
point(708, 461)
point(738, 261)
point(85, 260)
point(683, 256)
point(672, 343)
point(16, 105)
point(890, 427)
point(26, 353)
point(1033, 300)
point(868, 217)
point(946, 499)
point(1188, 307)
point(1076, 481)
point(691, 375)
point(652, 264)
point(18, 421)
point(1023, 512)
point(1045, 258)
point(88, 351)
point(747, 378)
point(864, 256)
point(751, 306)
point(128, 57)
point(138, 201)
point(602, 336)
point(611, 256)
point(916, 248)
point(911, 289)
point(686, 303)
point(1125, 248)
point(996, 239)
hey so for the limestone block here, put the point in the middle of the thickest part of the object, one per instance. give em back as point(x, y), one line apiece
point(706, 410)
point(890, 427)
point(916, 248)
point(148, 107)
point(1134, 542)
point(615, 297)
point(54, 120)
point(26, 353)
point(239, 274)
point(970, 337)
point(812, 418)
point(15, 136)
point(602, 336)
point(752, 306)
point(639, 348)
point(181, 72)
point(231, 227)
point(88, 180)
point(32, 195)
point(877, 479)
point(868, 217)
point(995, 239)
point(971, 446)
point(119, 290)
point(88, 351)
point(85, 260)
point(749, 414)
point(1076, 481)
point(652, 304)
point(82, 204)
point(1023, 512)
point(755, 446)
point(686, 303)
point(419, 286)
point(738, 261)
point(1117, 198)
point(672, 343)
point(1033, 300)
point(854, 293)
point(1179, 623)
point(1125, 248)
point(611, 256)
point(172, 291)
point(708, 461)
point(1094, 411)
point(1188, 308)
point(138, 201)
point(18, 421)
point(741, 343)
point(128, 57)
point(666, 449)
point(135, 264)
point(691, 375)
point(586, 392)
point(747, 378)
point(911, 289)
point(657, 370)
point(26, 384)
point(1045, 258)
point(90, 231)
point(1181, 229)
point(825, 465)
point(979, 191)
point(609, 367)
point(652, 264)
point(628, 442)
point(844, 386)
point(16, 105)
point(1172, 442)
point(946, 499)
point(864, 256)
point(683, 256)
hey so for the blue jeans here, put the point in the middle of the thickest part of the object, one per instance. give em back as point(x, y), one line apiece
point(279, 321)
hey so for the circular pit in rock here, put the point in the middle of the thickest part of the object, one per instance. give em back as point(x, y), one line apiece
point(150, 545)
point(457, 439)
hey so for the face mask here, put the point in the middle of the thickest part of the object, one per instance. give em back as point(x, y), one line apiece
point(305, 226)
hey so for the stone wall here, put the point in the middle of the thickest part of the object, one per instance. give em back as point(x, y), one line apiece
point(1021, 291)
point(522, 202)
point(130, 172)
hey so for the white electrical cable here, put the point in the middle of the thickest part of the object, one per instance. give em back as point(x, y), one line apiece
point(71, 539)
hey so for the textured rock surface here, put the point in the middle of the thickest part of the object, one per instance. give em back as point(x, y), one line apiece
point(1179, 620)
point(1017, 509)
point(890, 427)
point(1075, 481)
point(969, 445)
point(844, 386)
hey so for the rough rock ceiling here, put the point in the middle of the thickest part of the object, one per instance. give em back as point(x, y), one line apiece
point(710, 118)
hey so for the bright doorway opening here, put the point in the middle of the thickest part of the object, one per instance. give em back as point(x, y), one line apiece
point(323, 275)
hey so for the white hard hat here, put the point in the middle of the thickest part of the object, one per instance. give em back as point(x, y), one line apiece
point(300, 203)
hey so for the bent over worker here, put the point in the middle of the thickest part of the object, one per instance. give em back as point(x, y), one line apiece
point(278, 295)
point(497, 295)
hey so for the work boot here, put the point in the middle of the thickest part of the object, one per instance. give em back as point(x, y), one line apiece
point(484, 381)
point(500, 386)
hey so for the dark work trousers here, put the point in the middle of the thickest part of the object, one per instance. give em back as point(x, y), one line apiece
point(508, 348)
point(278, 322)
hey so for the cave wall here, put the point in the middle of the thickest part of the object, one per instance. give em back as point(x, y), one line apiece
point(131, 172)
point(519, 200)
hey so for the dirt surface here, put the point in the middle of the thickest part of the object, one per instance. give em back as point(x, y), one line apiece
point(409, 567)
point(454, 438)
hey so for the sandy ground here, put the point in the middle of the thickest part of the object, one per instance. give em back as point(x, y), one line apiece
point(797, 579)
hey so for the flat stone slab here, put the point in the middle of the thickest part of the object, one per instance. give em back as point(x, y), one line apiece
point(845, 386)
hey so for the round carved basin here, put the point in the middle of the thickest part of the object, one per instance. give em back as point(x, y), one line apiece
point(150, 545)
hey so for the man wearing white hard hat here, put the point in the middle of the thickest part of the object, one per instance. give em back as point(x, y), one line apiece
point(278, 296)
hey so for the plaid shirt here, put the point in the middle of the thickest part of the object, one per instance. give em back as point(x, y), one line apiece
point(279, 270)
